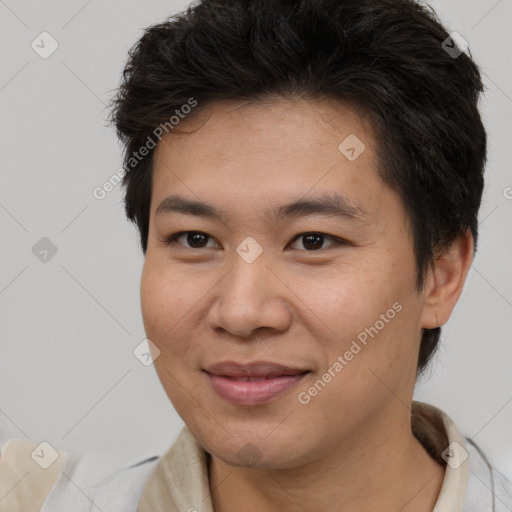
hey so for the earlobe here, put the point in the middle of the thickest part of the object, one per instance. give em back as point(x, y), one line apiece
point(445, 281)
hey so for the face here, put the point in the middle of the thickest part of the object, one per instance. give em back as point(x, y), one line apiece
point(313, 290)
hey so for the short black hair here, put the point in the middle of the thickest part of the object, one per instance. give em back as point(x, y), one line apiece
point(388, 58)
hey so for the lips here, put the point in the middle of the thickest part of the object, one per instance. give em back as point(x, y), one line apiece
point(257, 370)
point(252, 384)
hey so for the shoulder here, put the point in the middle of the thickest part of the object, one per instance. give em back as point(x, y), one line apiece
point(489, 488)
point(84, 485)
point(121, 491)
point(472, 483)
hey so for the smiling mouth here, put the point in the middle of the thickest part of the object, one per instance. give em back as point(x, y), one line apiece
point(253, 390)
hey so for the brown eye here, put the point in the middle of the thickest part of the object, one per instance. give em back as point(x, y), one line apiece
point(311, 242)
point(314, 241)
point(194, 239)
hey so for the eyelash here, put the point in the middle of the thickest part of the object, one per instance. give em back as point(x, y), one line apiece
point(337, 241)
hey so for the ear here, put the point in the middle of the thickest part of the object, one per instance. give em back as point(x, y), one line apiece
point(445, 281)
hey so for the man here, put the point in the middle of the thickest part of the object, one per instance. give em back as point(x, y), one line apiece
point(306, 179)
point(308, 218)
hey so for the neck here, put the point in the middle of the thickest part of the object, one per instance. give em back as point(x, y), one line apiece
point(385, 469)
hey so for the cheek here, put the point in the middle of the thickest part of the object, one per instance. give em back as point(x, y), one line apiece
point(163, 303)
point(368, 313)
point(370, 359)
point(164, 311)
point(347, 300)
point(152, 293)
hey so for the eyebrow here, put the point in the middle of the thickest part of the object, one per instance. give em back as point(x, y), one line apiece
point(332, 204)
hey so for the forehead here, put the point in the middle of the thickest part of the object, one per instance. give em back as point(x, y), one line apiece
point(269, 153)
point(280, 130)
point(274, 116)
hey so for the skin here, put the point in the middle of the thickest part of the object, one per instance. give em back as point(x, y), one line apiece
point(351, 447)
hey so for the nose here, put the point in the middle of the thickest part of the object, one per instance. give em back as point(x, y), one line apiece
point(251, 296)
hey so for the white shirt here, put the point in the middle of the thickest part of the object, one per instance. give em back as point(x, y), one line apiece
point(469, 485)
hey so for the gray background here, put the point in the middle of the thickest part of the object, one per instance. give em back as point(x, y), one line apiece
point(69, 326)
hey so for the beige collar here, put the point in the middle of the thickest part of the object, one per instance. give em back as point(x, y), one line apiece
point(179, 482)
point(27, 473)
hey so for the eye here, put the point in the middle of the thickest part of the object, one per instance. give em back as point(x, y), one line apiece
point(196, 239)
point(313, 241)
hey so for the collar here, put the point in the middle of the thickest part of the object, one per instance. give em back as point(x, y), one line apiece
point(28, 471)
point(180, 479)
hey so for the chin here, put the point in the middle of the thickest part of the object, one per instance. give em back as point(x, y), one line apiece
point(242, 446)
